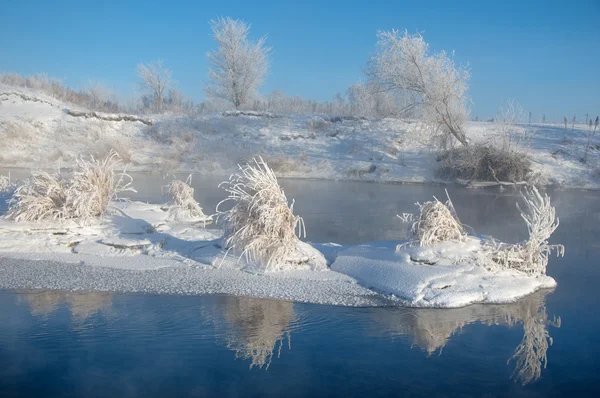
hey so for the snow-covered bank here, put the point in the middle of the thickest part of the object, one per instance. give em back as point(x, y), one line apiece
point(138, 248)
point(36, 132)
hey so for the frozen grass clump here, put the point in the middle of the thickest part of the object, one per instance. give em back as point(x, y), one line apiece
point(181, 205)
point(94, 185)
point(437, 223)
point(43, 196)
point(261, 225)
point(84, 197)
point(530, 256)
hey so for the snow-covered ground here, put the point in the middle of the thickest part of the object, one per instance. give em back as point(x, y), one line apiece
point(136, 247)
point(35, 131)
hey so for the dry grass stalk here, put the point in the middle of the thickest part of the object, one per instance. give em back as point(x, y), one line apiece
point(532, 255)
point(182, 205)
point(260, 225)
point(85, 197)
point(42, 196)
point(437, 222)
point(95, 184)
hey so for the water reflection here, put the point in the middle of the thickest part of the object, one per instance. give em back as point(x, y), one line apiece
point(431, 329)
point(166, 331)
point(257, 329)
point(81, 305)
point(254, 328)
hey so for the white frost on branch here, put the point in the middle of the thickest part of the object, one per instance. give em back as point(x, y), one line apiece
point(156, 81)
point(430, 87)
point(238, 66)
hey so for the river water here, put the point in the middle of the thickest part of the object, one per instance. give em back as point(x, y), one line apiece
point(61, 343)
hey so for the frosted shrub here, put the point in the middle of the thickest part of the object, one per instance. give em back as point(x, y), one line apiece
point(43, 196)
point(95, 183)
point(437, 222)
point(182, 205)
point(260, 225)
point(530, 256)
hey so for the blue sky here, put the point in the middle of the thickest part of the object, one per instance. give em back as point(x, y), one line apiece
point(544, 54)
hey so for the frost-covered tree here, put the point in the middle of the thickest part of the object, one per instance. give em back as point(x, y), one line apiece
point(238, 66)
point(429, 86)
point(156, 81)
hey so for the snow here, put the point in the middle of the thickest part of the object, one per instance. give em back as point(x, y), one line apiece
point(139, 237)
point(37, 131)
point(445, 275)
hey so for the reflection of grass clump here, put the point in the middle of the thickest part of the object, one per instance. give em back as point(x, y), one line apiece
point(81, 304)
point(258, 326)
point(431, 329)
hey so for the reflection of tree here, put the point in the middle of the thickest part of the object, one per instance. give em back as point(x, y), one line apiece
point(256, 327)
point(82, 305)
point(432, 328)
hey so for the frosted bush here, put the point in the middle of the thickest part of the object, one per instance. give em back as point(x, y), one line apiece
point(181, 205)
point(94, 185)
point(437, 222)
point(261, 225)
point(532, 255)
point(42, 196)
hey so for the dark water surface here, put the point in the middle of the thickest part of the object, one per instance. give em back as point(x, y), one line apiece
point(104, 344)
